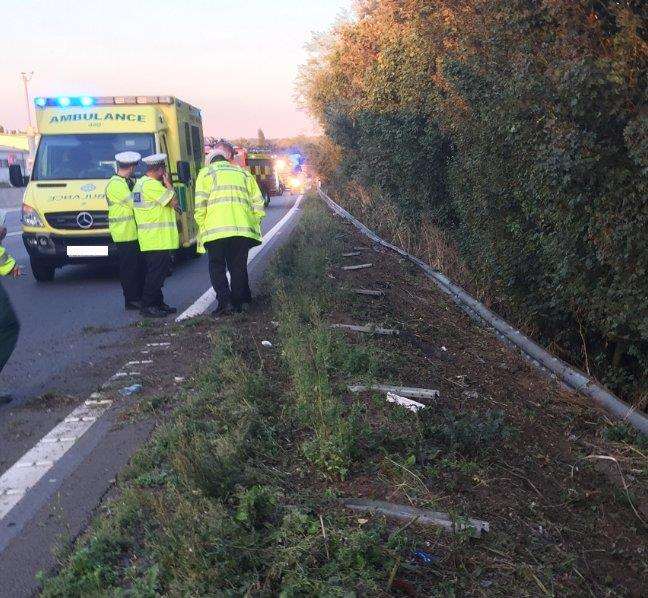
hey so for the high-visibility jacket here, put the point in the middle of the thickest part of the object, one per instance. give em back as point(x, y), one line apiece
point(121, 220)
point(155, 218)
point(7, 263)
point(228, 203)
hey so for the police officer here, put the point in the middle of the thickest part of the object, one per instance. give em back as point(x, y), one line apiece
point(9, 326)
point(229, 210)
point(155, 205)
point(123, 230)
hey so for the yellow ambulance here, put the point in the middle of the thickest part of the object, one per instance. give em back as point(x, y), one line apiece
point(64, 211)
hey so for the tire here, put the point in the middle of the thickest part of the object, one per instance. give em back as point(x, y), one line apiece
point(266, 199)
point(43, 271)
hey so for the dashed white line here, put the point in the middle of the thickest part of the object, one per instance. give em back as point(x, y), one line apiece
point(36, 462)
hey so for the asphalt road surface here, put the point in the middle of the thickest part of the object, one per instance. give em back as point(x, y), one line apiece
point(74, 334)
point(65, 322)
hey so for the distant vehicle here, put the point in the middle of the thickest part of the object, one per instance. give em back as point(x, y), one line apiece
point(260, 161)
point(64, 212)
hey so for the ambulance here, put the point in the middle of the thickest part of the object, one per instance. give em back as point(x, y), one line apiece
point(64, 211)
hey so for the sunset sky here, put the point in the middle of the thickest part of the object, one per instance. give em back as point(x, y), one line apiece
point(237, 61)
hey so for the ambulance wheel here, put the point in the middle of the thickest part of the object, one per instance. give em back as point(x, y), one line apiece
point(266, 199)
point(43, 271)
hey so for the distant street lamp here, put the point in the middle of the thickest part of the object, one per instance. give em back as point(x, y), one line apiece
point(26, 78)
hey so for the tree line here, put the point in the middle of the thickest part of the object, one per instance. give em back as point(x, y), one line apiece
point(520, 127)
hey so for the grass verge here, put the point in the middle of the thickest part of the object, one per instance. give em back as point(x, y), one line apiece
point(239, 491)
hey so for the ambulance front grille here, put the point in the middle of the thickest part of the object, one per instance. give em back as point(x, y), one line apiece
point(75, 220)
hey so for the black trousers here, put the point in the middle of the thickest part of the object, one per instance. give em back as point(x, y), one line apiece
point(231, 255)
point(131, 270)
point(9, 328)
point(157, 269)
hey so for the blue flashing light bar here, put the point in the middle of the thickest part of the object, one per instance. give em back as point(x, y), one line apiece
point(89, 101)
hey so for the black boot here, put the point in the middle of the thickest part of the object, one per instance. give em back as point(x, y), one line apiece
point(153, 312)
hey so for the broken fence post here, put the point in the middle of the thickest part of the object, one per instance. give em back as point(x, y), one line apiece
point(475, 527)
point(404, 391)
point(367, 329)
point(352, 254)
point(368, 292)
point(357, 267)
point(403, 402)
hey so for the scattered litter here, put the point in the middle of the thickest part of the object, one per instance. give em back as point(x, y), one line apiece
point(274, 323)
point(179, 379)
point(158, 344)
point(266, 344)
point(362, 521)
point(426, 558)
point(368, 292)
point(144, 362)
point(403, 391)
point(130, 390)
point(352, 254)
point(470, 394)
point(103, 403)
point(357, 267)
point(119, 375)
point(368, 329)
point(474, 527)
point(96, 395)
point(444, 349)
point(403, 402)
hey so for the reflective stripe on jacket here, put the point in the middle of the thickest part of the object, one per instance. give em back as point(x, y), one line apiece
point(228, 204)
point(121, 220)
point(7, 263)
point(157, 228)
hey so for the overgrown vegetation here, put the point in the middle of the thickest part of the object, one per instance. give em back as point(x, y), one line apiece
point(240, 491)
point(521, 129)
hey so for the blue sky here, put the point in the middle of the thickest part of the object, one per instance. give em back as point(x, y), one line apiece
point(237, 61)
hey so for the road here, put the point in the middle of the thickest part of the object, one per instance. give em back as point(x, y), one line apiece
point(75, 334)
point(66, 322)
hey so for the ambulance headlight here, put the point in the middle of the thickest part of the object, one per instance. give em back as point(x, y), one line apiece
point(63, 101)
point(30, 217)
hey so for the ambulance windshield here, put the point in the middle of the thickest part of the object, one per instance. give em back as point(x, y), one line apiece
point(74, 157)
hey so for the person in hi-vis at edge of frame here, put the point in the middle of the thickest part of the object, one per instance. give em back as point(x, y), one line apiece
point(9, 325)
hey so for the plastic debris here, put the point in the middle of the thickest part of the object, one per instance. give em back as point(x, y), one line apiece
point(367, 329)
point(471, 394)
point(403, 402)
point(267, 344)
point(130, 390)
point(425, 557)
point(357, 267)
point(426, 517)
point(178, 379)
point(404, 391)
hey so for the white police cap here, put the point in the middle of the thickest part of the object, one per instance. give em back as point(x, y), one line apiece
point(155, 159)
point(128, 158)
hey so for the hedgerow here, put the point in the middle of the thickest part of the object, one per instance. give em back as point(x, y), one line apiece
point(520, 127)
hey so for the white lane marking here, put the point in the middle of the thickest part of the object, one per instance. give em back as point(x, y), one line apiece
point(36, 462)
point(209, 296)
point(14, 234)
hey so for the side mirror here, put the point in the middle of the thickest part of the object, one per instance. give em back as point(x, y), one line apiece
point(16, 177)
point(184, 172)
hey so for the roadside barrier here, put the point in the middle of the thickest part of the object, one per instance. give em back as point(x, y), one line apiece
point(539, 357)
